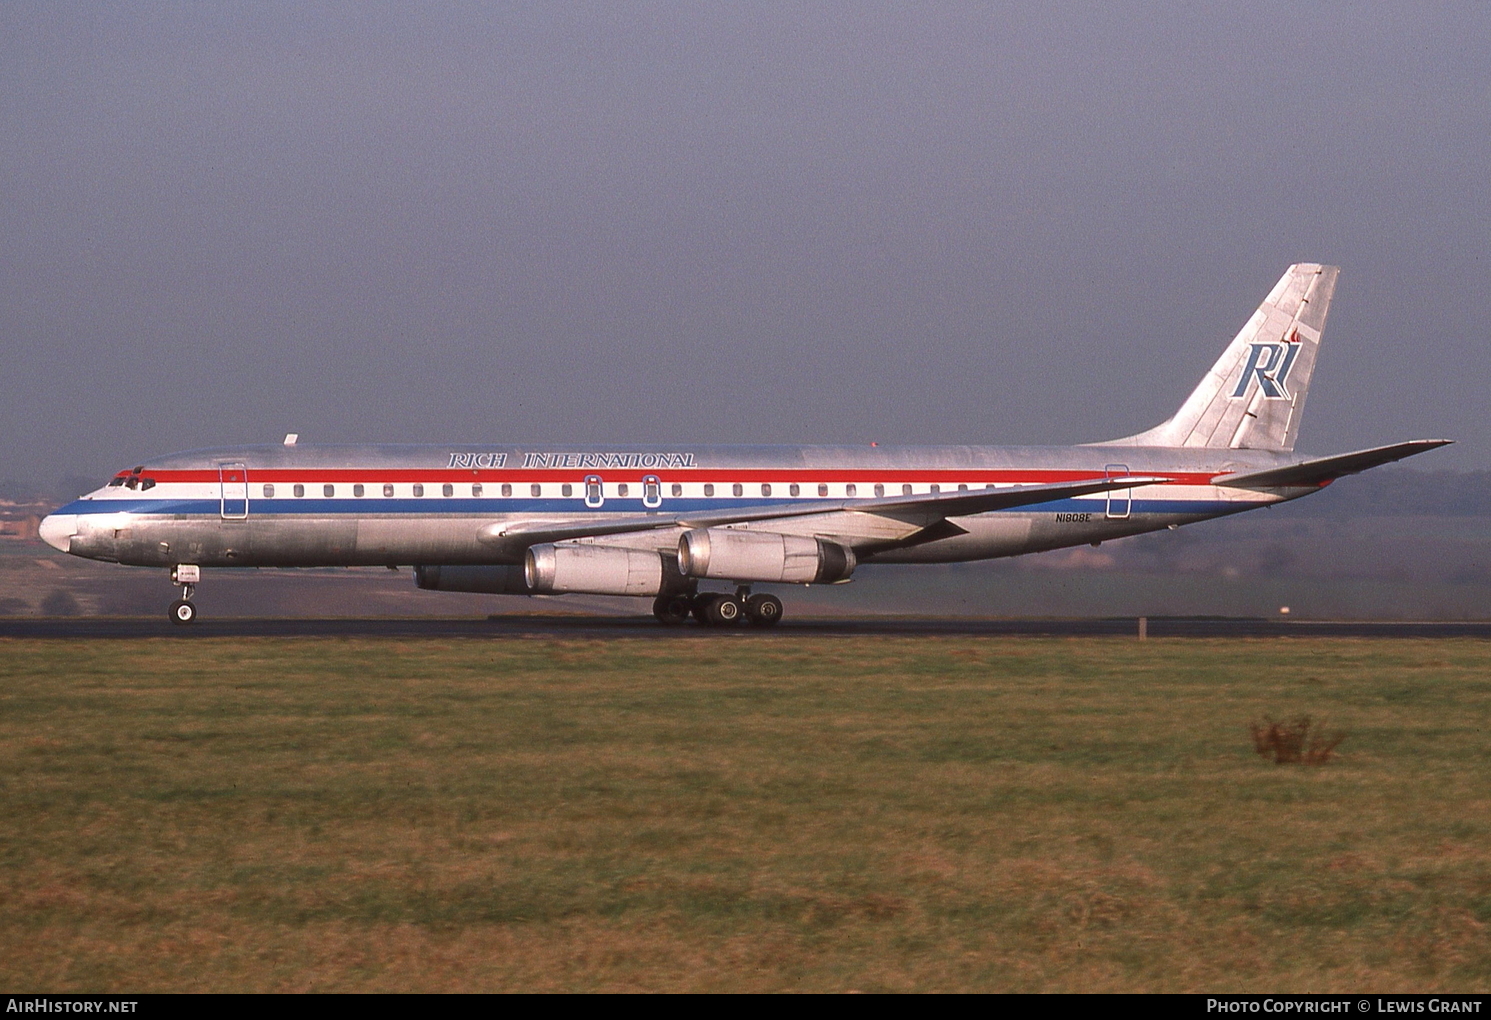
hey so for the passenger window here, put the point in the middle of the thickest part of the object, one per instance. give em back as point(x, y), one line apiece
point(677, 489)
point(962, 487)
point(268, 491)
point(447, 489)
point(709, 488)
point(358, 490)
point(419, 489)
point(507, 488)
point(388, 488)
point(737, 488)
point(299, 490)
point(623, 489)
point(906, 489)
point(822, 489)
point(566, 489)
point(794, 489)
point(476, 488)
point(536, 489)
point(766, 488)
point(879, 489)
point(934, 488)
point(328, 491)
point(851, 489)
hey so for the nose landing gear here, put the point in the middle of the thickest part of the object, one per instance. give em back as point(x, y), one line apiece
point(185, 576)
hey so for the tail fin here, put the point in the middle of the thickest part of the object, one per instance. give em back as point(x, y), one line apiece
point(1253, 396)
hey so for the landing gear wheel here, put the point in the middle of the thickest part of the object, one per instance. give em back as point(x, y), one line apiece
point(183, 611)
point(671, 610)
point(701, 607)
point(724, 611)
point(763, 610)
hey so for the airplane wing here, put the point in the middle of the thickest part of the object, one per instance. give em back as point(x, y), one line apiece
point(1325, 470)
point(928, 510)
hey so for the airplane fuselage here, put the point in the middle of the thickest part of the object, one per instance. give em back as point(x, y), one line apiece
point(321, 506)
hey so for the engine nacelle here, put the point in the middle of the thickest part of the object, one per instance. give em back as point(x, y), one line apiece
point(593, 570)
point(490, 580)
point(733, 555)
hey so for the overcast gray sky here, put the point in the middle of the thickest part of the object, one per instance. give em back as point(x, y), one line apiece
point(637, 222)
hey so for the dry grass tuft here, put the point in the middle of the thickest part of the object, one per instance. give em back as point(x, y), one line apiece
point(1297, 742)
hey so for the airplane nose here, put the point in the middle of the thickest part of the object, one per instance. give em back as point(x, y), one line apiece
point(56, 530)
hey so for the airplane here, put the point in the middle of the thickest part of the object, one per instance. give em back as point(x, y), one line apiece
point(656, 521)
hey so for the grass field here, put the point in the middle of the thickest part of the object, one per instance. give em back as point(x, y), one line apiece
point(741, 812)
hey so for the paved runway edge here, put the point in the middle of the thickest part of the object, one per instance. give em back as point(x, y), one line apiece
point(646, 627)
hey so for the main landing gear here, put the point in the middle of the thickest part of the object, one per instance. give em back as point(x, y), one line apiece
point(185, 576)
point(717, 609)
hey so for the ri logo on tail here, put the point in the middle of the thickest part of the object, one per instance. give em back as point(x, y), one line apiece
point(1270, 365)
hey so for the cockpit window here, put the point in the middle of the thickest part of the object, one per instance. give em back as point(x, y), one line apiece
point(147, 483)
point(116, 482)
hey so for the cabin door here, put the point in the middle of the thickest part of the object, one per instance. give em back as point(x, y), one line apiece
point(233, 483)
point(1120, 501)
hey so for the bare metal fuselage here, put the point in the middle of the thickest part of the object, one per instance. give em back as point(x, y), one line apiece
point(286, 506)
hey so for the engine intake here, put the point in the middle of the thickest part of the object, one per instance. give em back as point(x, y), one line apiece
point(734, 555)
point(593, 570)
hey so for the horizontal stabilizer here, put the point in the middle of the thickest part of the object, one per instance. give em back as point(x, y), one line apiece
point(1328, 469)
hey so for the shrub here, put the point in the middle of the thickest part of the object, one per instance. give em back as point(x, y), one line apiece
point(1297, 742)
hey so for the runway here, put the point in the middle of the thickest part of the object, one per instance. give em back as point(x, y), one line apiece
point(68, 628)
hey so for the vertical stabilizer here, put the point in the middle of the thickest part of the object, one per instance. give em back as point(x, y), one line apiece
point(1253, 396)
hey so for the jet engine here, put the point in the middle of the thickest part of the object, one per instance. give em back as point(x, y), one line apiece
point(491, 580)
point(593, 570)
point(734, 555)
